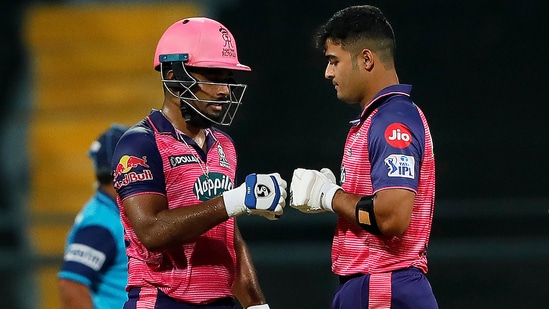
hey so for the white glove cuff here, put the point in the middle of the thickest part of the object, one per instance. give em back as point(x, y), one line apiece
point(329, 190)
point(264, 306)
point(234, 202)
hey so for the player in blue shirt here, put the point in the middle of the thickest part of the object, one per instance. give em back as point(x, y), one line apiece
point(94, 271)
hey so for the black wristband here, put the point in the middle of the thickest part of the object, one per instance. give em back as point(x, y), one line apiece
point(365, 215)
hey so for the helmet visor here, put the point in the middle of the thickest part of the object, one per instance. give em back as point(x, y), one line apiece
point(187, 84)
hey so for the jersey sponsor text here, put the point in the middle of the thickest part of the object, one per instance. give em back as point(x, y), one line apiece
point(133, 177)
point(86, 255)
point(182, 160)
point(398, 135)
point(206, 188)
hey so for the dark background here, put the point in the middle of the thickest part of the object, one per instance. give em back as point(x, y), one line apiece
point(479, 73)
point(478, 70)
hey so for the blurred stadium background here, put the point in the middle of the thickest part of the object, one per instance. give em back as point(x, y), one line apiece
point(479, 68)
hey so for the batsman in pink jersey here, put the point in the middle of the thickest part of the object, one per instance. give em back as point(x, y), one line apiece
point(386, 199)
point(174, 173)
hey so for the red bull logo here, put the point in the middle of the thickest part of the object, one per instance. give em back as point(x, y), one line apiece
point(125, 167)
point(127, 163)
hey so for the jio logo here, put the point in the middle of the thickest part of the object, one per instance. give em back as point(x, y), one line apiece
point(398, 135)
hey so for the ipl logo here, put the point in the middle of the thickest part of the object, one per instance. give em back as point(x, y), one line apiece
point(400, 166)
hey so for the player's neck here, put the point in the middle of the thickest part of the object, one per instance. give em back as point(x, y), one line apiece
point(378, 83)
point(178, 122)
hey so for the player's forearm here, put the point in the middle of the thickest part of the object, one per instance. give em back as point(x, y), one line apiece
point(344, 205)
point(74, 295)
point(246, 286)
point(392, 209)
point(174, 227)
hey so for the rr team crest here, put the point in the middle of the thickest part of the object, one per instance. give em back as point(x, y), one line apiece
point(228, 48)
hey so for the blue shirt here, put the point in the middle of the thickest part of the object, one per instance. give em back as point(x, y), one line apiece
point(95, 253)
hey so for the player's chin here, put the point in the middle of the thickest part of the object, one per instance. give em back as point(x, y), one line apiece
point(339, 94)
point(215, 115)
point(347, 99)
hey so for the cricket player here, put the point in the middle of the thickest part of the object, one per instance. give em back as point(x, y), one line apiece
point(175, 178)
point(386, 199)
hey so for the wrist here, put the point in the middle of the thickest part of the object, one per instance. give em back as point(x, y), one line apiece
point(263, 306)
point(329, 191)
point(234, 201)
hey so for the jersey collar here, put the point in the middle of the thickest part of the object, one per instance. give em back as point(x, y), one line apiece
point(161, 123)
point(384, 94)
point(164, 126)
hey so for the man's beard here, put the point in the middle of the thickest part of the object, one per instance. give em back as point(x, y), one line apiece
point(196, 119)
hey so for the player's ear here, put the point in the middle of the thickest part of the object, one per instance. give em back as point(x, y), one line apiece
point(170, 74)
point(366, 59)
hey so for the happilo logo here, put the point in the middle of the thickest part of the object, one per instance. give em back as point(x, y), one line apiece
point(228, 47)
point(133, 169)
point(398, 135)
point(209, 187)
point(400, 166)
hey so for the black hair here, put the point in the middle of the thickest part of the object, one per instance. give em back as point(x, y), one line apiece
point(359, 27)
point(101, 152)
point(104, 176)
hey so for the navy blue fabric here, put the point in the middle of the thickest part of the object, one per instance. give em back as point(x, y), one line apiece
point(103, 148)
point(410, 289)
point(163, 301)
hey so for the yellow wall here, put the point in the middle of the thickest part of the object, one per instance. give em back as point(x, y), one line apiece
point(92, 66)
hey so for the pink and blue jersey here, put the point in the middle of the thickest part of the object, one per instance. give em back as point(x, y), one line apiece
point(389, 148)
point(153, 158)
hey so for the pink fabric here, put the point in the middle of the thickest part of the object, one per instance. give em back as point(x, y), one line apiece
point(204, 269)
point(357, 251)
point(207, 42)
point(380, 291)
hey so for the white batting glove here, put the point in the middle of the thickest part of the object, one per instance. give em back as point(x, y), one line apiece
point(260, 194)
point(264, 306)
point(313, 191)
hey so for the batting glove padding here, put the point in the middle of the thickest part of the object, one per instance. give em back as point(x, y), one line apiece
point(260, 194)
point(313, 191)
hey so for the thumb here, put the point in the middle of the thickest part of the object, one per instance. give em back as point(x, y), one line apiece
point(329, 174)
